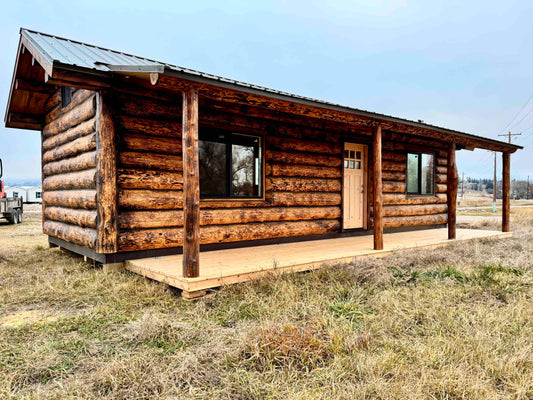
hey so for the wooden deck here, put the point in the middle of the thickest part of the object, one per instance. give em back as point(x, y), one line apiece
point(224, 267)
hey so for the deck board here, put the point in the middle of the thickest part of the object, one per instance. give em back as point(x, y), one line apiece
point(228, 266)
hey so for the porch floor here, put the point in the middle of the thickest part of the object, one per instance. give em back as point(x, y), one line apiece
point(228, 266)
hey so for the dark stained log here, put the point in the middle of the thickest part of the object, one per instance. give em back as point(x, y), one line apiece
point(289, 199)
point(80, 113)
point(147, 179)
point(394, 166)
point(377, 191)
point(52, 101)
point(403, 138)
point(77, 146)
point(71, 233)
point(150, 161)
point(78, 97)
point(149, 108)
point(302, 185)
point(392, 156)
point(149, 126)
point(289, 144)
point(106, 172)
point(33, 86)
point(419, 220)
point(303, 158)
point(76, 79)
point(83, 129)
point(506, 189)
point(174, 218)
point(401, 199)
point(78, 163)
point(396, 146)
point(150, 199)
point(408, 210)
point(191, 185)
point(308, 171)
point(453, 182)
point(441, 188)
point(138, 142)
point(393, 176)
point(73, 180)
point(172, 237)
point(442, 161)
point(252, 203)
point(85, 199)
point(83, 218)
point(441, 170)
point(393, 187)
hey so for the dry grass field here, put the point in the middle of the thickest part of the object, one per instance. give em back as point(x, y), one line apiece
point(452, 323)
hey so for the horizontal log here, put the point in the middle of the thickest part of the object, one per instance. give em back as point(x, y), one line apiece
point(393, 187)
point(78, 163)
point(303, 158)
point(234, 203)
point(149, 126)
point(440, 188)
point(78, 97)
point(148, 179)
point(174, 218)
point(441, 178)
point(302, 185)
point(73, 180)
point(289, 144)
point(306, 171)
point(395, 146)
point(422, 209)
point(77, 115)
point(420, 220)
point(393, 156)
point(85, 199)
point(150, 199)
point(52, 101)
point(148, 107)
point(83, 129)
point(77, 146)
point(303, 199)
point(161, 238)
point(132, 141)
point(393, 176)
point(399, 199)
point(395, 166)
point(441, 161)
point(71, 233)
point(83, 218)
point(441, 170)
point(402, 138)
point(150, 161)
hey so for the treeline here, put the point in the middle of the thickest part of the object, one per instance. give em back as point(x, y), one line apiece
point(520, 189)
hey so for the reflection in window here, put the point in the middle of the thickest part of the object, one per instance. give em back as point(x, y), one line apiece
point(420, 173)
point(230, 165)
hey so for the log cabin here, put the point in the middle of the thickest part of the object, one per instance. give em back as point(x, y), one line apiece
point(144, 159)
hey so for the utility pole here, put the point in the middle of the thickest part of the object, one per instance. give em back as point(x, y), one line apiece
point(527, 188)
point(494, 187)
point(509, 135)
point(463, 187)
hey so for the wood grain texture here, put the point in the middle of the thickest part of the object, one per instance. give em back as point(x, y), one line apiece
point(453, 181)
point(83, 129)
point(85, 179)
point(71, 233)
point(309, 171)
point(418, 220)
point(78, 114)
point(150, 199)
point(83, 218)
point(149, 179)
point(377, 202)
point(506, 189)
point(84, 199)
point(302, 185)
point(77, 163)
point(162, 162)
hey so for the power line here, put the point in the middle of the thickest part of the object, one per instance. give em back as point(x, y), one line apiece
point(529, 112)
point(518, 113)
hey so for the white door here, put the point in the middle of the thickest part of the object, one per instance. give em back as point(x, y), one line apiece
point(354, 186)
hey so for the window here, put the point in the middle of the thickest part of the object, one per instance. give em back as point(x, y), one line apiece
point(66, 96)
point(231, 165)
point(16, 195)
point(352, 159)
point(37, 195)
point(420, 173)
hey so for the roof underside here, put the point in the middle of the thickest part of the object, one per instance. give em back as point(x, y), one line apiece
point(52, 52)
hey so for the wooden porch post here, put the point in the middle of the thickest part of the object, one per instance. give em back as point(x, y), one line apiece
point(506, 202)
point(452, 179)
point(191, 185)
point(378, 188)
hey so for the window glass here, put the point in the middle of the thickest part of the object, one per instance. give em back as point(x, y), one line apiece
point(230, 165)
point(412, 173)
point(426, 174)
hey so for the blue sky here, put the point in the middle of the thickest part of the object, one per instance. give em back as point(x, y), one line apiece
point(462, 65)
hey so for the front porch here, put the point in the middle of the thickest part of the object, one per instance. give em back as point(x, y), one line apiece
point(229, 266)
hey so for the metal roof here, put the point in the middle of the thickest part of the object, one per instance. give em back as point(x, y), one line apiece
point(98, 60)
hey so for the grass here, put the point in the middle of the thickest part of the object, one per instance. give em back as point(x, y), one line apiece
point(448, 323)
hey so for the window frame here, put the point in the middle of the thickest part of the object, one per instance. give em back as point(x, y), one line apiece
point(419, 172)
point(228, 133)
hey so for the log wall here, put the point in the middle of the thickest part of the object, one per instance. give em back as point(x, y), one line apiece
point(303, 177)
point(69, 169)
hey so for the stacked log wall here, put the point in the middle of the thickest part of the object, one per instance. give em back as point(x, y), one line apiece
point(69, 168)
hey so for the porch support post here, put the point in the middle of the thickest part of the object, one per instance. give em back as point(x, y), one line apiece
point(453, 180)
point(506, 203)
point(191, 185)
point(377, 188)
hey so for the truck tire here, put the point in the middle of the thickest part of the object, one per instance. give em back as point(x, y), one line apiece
point(12, 217)
point(20, 216)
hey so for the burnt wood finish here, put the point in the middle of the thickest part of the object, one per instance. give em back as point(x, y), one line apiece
point(106, 171)
point(377, 203)
point(453, 181)
point(191, 185)
point(506, 201)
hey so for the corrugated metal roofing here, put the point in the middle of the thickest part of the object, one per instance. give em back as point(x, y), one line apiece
point(101, 60)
